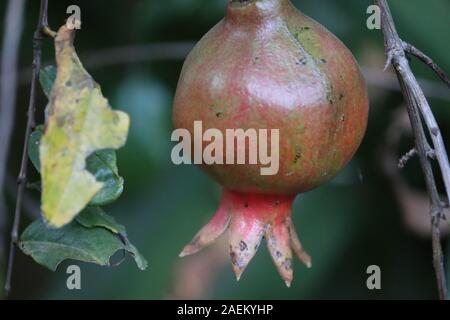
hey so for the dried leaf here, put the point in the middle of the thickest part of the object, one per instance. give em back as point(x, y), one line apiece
point(79, 122)
point(102, 164)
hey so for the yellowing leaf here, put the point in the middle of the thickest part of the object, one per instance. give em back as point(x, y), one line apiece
point(79, 122)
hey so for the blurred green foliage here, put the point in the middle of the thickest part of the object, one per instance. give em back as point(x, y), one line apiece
point(347, 225)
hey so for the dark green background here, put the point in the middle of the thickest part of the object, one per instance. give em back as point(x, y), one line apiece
point(346, 225)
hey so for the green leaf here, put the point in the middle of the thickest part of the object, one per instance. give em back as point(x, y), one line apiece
point(95, 217)
point(47, 77)
point(94, 237)
point(33, 146)
point(49, 247)
point(79, 122)
point(141, 262)
point(102, 164)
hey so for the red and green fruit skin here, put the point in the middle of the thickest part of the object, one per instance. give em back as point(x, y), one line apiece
point(266, 65)
point(271, 67)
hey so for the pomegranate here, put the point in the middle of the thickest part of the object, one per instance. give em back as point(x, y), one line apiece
point(268, 66)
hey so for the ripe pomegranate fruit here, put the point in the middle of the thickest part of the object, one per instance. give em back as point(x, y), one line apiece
point(268, 66)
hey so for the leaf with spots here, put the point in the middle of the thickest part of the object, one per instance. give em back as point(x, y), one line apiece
point(79, 122)
point(102, 164)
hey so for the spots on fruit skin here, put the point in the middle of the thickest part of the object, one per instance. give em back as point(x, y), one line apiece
point(282, 260)
point(302, 61)
point(216, 109)
point(234, 258)
point(243, 246)
point(287, 264)
point(298, 154)
point(307, 40)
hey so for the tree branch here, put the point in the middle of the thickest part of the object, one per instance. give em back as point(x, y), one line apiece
point(416, 104)
point(406, 157)
point(428, 61)
point(37, 52)
point(8, 92)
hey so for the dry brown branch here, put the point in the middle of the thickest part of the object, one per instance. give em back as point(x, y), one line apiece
point(418, 107)
point(37, 52)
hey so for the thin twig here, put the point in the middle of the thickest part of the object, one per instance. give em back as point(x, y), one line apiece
point(412, 153)
point(8, 93)
point(406, 157)
point(409, 48)
point(416, 103)
point(37, 52)
point(30, 205)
